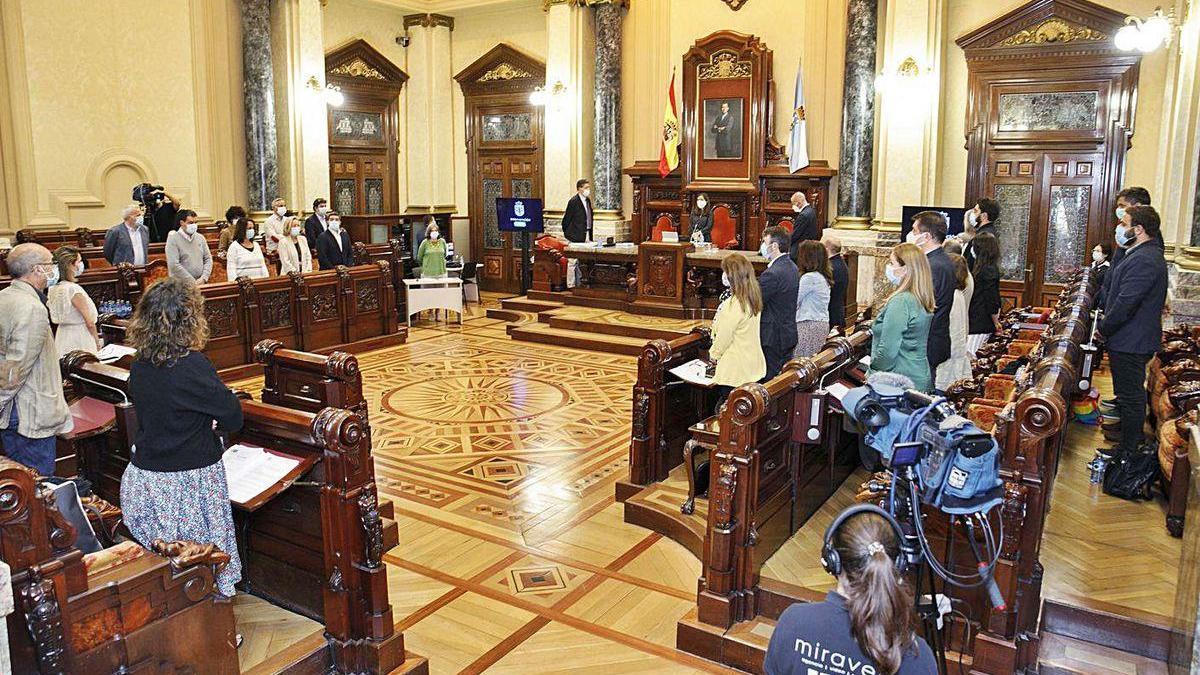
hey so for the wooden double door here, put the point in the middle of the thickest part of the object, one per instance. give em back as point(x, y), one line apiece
point(1052, 214)
point(361, 183)
point(501, 174)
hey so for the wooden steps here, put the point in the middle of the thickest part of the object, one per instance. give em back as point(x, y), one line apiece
point(525, 304)
point(657, 507)
point(561, 319)
point(1061, 655)
point(609, 344)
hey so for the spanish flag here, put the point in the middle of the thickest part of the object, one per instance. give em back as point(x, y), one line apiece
point(668, 156)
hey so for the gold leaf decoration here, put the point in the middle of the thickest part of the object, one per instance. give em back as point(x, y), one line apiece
point(358, 68)
point(505, 71)
point(724, 65)
point(1053, 30)
point(735, 5)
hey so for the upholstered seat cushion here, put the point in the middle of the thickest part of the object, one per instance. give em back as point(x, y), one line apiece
point(110, 557)
point(999, 387)
point(1021, 347)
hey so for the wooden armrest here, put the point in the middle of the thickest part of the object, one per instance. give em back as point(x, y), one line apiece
point(185, 554)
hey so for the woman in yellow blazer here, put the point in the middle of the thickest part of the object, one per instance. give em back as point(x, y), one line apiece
point(735, 344)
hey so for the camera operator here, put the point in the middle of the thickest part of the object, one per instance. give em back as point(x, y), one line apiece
point(160, 208)
point(866, 626)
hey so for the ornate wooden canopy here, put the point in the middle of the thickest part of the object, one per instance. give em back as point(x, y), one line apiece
point(504, 69)
point(360, 66)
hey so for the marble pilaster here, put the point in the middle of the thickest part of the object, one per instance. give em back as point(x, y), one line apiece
point(429, 109)
point(858, 116)
point(300, 109)
point(258, 97)
point(568, 117)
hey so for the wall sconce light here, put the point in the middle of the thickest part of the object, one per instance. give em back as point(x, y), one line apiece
point(332, 95)
point(908, 76)
point(541, 97)
point(1146, 35)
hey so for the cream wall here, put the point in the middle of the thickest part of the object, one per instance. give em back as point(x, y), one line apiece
point(811, 32)
point(349, 20)
point(88, 112)
point(964, 16)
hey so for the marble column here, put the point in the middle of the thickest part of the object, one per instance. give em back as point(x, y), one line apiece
point(858, 117)
point(258, 96)
point(606, 162)
point(429, 109)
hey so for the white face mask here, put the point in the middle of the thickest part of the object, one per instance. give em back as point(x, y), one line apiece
point(433, 235)
point(1098, 256)
point(141, 220)
point(700, 204)
point(78, 267)
point(295, 231)
point(190, 228)
point(892, 274)
point(322, 210)
point(972, 219)
point(587, 192)
point(335, 225)
point(1120, 213)
point(912, 237)
point(725, 280)
point(797, 208)
point(764, 250)
point(250, 233)
point(279, 211)
point(51, 276)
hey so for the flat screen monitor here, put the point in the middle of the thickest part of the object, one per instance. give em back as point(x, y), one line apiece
point(514, 214)
point(954, 216)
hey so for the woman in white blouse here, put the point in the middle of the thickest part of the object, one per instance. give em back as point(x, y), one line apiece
point(244, 257)
point(70, 307)
point(294, 254)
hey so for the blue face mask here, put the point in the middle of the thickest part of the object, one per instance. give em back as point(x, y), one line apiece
point(51, 276)
point(1124, 235)
point(764, 251)
point(1120, 213)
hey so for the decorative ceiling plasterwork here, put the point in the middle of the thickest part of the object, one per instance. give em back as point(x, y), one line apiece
point(504, 71)
point(547, 4)
point(428, 21)
point(358, 68)
point(735, 5)
point(724, 65)
point(1053, 29)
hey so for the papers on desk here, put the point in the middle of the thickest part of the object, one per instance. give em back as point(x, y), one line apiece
point(694, 371)
point(252, 471)
point(114, 352)
point(838, 390)
point(865, 361)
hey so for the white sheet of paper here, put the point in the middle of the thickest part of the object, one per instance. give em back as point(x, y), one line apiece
point(694, 371)
point(250, 471)
point(113, 352)
point(865, 361)
point(838, 390)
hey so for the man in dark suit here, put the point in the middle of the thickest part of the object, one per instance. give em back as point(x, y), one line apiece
point(982, 219)
point(841, 280)
point(333, 245)
point(780, 284)
point(725, 131)
point(1132, 323)
point(129, 240)
point(318, 222)
point(804, 223)
point(928, 232)
point(577, 220)
point(1130, 196)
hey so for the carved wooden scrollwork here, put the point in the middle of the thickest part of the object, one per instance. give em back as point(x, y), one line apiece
point(367, 296)
point(324, 302)
point(276, 309)
point(661, 275)
point(372, 525)
point(721, 497)
point(641, 414)
point(222, 317)
point(43, 616)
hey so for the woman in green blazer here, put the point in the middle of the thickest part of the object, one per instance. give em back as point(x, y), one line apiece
point(901, 330)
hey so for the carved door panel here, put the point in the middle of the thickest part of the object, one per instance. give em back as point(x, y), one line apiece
point(502, 175)
point(1014, 178)
point(359, 184)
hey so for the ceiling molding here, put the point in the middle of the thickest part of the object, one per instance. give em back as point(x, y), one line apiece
point(441, 6)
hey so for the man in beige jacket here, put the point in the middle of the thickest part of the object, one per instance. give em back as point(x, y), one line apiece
point(32, 408)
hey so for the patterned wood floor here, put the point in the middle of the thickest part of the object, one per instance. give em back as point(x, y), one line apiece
point(501, 458)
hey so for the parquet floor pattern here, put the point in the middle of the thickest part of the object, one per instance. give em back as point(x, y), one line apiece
point(501, 459)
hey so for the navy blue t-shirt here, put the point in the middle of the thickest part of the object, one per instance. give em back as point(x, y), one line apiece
point(815, 639)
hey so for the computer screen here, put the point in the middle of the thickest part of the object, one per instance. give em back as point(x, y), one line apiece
point(516, 214)
point(954, 216)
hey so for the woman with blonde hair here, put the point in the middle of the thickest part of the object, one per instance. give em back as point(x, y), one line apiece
point(174, 486)
point(71, 309)
point(735, 330)
point(900, 334)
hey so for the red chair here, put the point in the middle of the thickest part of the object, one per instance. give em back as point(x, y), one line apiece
point(550, 243)
point(724, 230)
point(664, 223)
point(787, 224)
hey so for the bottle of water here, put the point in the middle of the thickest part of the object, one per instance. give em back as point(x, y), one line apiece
point(1096, 469)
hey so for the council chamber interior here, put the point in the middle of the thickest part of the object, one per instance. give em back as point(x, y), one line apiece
point(488, 435)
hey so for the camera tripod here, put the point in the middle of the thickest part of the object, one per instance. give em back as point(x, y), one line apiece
point(905, 511)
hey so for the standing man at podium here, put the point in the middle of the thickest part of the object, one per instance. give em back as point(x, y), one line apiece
point(577, 220)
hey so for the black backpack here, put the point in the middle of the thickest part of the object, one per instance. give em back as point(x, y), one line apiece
point(1132, 475)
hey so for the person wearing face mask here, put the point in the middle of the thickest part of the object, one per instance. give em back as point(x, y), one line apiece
point(188, 256)
point(700, 220)
point(812, 303)
point(333, 245)
point(272, 229)
point(980, 220)
point(318, 222)
point(928, 233)
point(32, 407)
point(736, 346)
point(1132, 322)
point(1100, 261)
point(71, 309)
point(128, 241)
point(245, 257)
point(900, 333)
point(779, 285)
point(232, 215)
point(577, 219)
point(1126, 198)
point(431, 254)
point(294, 254)
point(804, 224)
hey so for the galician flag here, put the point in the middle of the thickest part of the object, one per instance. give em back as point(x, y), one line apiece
point(668, 156)
point(798, 149)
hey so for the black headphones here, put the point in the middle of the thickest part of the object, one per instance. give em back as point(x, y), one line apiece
point(831, 560)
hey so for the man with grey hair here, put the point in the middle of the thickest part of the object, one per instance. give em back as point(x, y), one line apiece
point(33, 410)
point(128, 241)
point(841, 279)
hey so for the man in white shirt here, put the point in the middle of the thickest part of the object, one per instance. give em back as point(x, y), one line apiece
point(128, 241)
point(272, 229)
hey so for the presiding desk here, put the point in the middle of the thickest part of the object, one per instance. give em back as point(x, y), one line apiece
point(669, 279)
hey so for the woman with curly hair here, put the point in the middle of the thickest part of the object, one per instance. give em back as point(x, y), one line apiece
point(174, 487)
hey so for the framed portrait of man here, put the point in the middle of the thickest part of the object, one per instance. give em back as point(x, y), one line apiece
point(723, 128)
